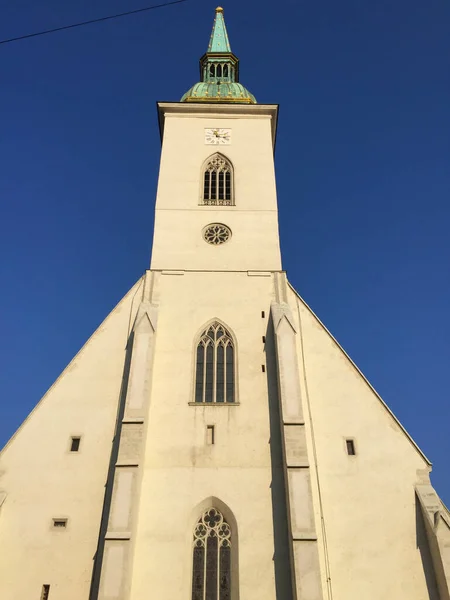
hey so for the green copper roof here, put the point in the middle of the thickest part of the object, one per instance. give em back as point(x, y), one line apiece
point(219, 92)
point(219, 41)
point(219, 71)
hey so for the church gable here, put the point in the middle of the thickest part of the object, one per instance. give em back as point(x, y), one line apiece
point(53, 470)
point(366, 468)
point(340, 388)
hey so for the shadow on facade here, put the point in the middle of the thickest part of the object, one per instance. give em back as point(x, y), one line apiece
point(281, 558)
point(425, 554)
point(98, 557)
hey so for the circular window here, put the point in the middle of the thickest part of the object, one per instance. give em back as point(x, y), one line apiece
point(216, 234)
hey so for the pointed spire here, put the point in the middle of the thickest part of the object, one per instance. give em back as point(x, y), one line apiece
point(219, 41)
point(219, 71)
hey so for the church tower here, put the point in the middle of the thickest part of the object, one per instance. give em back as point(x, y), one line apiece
point(212, 440)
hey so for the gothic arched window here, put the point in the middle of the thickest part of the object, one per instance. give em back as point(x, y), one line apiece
point(211, 570)
point(214, 376)
point(218, 182)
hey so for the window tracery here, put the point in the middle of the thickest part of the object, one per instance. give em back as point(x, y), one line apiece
point(211, 572)
point(216, 234)
point(214, 377)
point(218, 182)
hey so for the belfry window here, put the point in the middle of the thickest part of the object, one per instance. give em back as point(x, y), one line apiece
point(218, 182)
point(211, 571)
point(214, 376)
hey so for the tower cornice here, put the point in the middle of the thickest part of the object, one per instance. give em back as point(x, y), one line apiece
point(208, 110)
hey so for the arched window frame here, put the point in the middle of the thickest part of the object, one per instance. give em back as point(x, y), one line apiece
point(208, 185)
point(196, 514)
point(200, 333)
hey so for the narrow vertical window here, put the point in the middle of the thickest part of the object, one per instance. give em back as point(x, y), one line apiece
point(214, 375)
point(210, 438)
point(45, 592)
point(230, 374)
point(220, 380)
point(211, 574)
point(207, 184)
point(350, 444)
point(199, 383)
point(198, 575)
point(221, 193)
point(218, 182)
point(209, 386)
point(227, 185)
point(213, 185)
point(211, 568)
point(75, 444)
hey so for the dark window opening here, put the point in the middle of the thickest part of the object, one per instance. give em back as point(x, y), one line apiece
point(211, 576)
point(60, 523)
point(217, 182)
point(350, 447)
point(45, 592)
point(263, 314)
point(199, 376)
point(263, 368)
point(209, 373)
point(214, 376)
point(210, 435)
point(207, 185)
point(227, 185)
point(75, 444)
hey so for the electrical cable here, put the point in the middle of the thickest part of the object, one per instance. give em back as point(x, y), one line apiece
point(124, 14)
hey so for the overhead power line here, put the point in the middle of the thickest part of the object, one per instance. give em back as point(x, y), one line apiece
point(109, 17)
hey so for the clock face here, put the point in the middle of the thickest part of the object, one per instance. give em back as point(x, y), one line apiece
point(218, 136)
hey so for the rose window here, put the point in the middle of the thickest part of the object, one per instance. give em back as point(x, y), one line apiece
point(216, 234)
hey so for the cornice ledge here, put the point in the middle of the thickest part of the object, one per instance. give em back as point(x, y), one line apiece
point(219, 110)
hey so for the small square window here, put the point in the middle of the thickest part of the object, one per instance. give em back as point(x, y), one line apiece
point(60, 523)
point(75, 444)
point(350, 444)
point(45, 592)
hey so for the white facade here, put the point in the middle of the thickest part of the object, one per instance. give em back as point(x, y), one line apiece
point(308, 521)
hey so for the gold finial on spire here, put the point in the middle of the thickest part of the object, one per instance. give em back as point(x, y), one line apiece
point(219, 9)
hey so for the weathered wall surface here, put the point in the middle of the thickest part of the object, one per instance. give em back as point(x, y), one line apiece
point(180, 470)
point(179, 219)
point(41, 479)
point(368, 504)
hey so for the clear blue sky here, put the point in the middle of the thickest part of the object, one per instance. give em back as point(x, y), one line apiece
point(363, 157)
